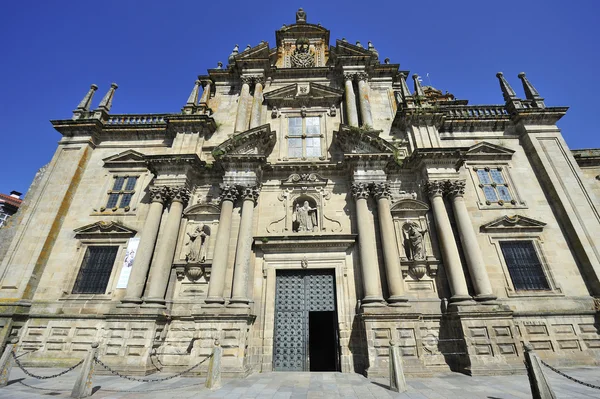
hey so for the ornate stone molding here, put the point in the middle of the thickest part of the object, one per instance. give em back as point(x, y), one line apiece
point(349, 75)
point(180, 194)
point(249, 192)
point(160, 194)
point(259, 80)
point(435, 188)
point(360, 190)
point(360, 76)
point(455, 188)
point(247, 80)
point(228, 193)
point(382, 190)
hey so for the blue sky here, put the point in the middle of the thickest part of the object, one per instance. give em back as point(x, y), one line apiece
point(53, 51)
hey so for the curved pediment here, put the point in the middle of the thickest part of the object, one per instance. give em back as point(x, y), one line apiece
point(255, 143)
point(355, 140)
point(409, 205)
point(305, 94)
point(202, 209)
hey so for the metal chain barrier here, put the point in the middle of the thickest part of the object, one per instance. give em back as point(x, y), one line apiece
point(43, 377)
point(569, 377)
point(149, 379)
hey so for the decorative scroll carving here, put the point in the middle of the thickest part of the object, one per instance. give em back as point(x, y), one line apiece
point(249, 192)
point(304, 178)
point(360, 190)
point(382, 190)
point(303, 56)
point(455, 188)
point(228, 193)
point(180, 194)
point(160, 194)
point(435, 188)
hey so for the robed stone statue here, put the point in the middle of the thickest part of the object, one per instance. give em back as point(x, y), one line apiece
point(305, 216)
point(198, 244)
point(413, 236)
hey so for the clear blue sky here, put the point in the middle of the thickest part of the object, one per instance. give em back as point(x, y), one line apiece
point(53, 50)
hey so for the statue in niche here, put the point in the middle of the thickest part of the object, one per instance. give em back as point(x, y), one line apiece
point(305, 217)
point(414, 241)
point(198, 244)
point(302, 57)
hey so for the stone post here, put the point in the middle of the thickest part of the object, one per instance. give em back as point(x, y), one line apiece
point(205, 93)
point(83, 384)
point(474, 258)
point(363, 99)
point(388, 241)
point(7, 361)
point(213, 378)
point(451, 257)
point(351, 112)
point(397, 380)
point(219, 265)
point(141, 263)
point(540, 388)
point(241, 271)
point(241, 121)
point(161, 269)
point(366, 245)
point(257, 102)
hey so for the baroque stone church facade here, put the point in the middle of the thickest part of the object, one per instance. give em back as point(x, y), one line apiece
point(305, 209)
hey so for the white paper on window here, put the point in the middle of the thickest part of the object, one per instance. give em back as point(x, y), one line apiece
point(132, 247)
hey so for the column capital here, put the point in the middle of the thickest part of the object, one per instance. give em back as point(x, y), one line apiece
point(455, 188)
point(228, 193)
point(247, 80)
point(160, 194)
point(259, 80)
point(435, 188)
point(360, 190)
point(361, 76)
point(249, 192)
point(180, 194)
point(349, 76)
point(381, 190)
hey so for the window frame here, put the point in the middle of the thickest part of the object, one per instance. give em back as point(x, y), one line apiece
point(138, 192)
point(303, 114)
point(505, 169)
point(114, 249)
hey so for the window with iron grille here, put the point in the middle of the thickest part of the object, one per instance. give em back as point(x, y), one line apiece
point(304, 137)
point(494, 185)
point(95, 270)
point(524, 266)
point(121, 193)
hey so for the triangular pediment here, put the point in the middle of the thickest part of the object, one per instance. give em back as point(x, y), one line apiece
point(343, 48)
point(256, 143)
point(304, 94)
point(129, 158)
point(514, 224)
point(488, 152)
point(104, 229)
point(353, 140)
point(261, 51)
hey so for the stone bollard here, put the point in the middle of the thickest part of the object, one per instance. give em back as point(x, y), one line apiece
point(397, 380)
point(7, 361)
point(83, 384)
point(213, 379)
point(540, 389)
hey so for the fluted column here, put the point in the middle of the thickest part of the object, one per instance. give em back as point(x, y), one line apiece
point(241, 271)
point(389, 243)
point(241, 122)
point(366, 246)
point(471, 249)
point(351, 112)
point(161, 269)
point(451, 257)
point(363, 99)
point(257, 102)
point(141, 262)
point(219, 265)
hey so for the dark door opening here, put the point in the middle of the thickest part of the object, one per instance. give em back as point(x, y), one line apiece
point(322, 343)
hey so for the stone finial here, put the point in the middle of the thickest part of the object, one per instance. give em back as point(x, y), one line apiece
point(531, 93)
point(193, 98)
point(84, 105)
point(507, 92)
point(358, 44)
point(344, 40)
point(300, 16)
point(418, 88)
point(234, 52)
point(386, 61)
point(248, 47)
point(407, 97)
point(106, 102)
point(372, 49)
point(219, 65)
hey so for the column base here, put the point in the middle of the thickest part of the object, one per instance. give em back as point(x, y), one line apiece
point(372, 301)
point(215, 301)
point(398, 301)
point(129, 303)
point(154, 303)
point(461, 300)
point(239, 303)
point(485, 297)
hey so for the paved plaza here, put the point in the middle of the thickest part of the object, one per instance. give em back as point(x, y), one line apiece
point(278, 385)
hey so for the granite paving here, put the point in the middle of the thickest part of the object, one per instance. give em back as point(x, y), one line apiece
point(290, 385)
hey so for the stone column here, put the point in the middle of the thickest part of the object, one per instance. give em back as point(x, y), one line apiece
point(363, 99)
point(161, 269)
point(205, 93)
point(257, 102)
point(474, 258)
point(351, 112)
point(389, 243)
point(219, 264)
point(241, 271)
point(451, 257)
point(366, 247)
point(241, 121)
point(141, 263)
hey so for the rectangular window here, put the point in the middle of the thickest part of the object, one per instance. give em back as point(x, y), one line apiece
point(494, 185)
point(95, 270)
point(121, 193)
point(304, 137)
point(524, 265)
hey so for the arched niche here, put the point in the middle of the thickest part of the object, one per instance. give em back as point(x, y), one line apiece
point(198, 216)
point(305, 214)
